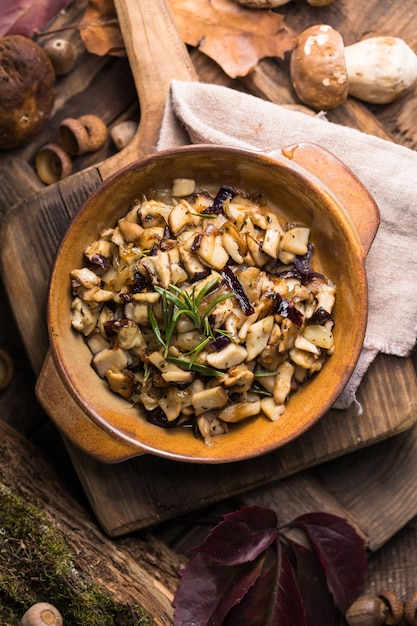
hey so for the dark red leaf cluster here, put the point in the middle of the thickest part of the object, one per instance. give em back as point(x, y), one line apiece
point(248, 571)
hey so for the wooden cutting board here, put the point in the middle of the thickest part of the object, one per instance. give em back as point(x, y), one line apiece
point(145, 490)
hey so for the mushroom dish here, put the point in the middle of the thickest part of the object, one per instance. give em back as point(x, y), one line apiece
point(204, 307)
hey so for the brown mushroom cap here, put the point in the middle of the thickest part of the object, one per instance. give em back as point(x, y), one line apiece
point(27, 93)
point(317, 68)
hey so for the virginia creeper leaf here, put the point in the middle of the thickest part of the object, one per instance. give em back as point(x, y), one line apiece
point(241, 536)
point(208, 591)
point(274, 600)
point(341, 552)
point(311, 581)
point(24, 17)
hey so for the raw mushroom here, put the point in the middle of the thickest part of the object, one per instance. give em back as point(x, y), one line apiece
point(318, 68)
point(324, 72)
point(380, 69)
point(27, 92)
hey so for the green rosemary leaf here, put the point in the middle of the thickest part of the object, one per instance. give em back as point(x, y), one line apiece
point(195, 367)
point(215, 302)
point(261, 391)
point(155, 327)
point(204, 291)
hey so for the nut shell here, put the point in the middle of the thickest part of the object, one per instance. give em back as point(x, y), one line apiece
point(317, 68)
point(27, 90)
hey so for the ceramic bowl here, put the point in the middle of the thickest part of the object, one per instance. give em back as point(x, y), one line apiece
point(307, 184)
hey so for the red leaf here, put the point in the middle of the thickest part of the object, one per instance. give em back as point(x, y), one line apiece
point(208, 591)
point(341, 552)
point(274, 600)
point(311, 580)
point(24, 17)
point(241, 536)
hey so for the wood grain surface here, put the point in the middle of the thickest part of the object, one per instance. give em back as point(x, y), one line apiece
point(147, 490)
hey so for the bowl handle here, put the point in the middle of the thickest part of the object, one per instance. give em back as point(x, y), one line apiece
point(74, 423)
point(353, 195)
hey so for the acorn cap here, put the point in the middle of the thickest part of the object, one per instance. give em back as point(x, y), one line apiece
point(87, 133)
point(27, 90)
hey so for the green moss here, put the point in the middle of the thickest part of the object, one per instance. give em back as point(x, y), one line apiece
point(37, 564)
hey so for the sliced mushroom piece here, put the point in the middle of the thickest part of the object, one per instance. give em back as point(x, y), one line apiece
point(232, 247)
point(96, 342)
point(152, 213)
point(271, 409)
point(182, 187)
point(209, 399)
point(83, 317)
point(319, 336)
point(295, 240)
point(282, 382)
point(181, 216)
point(238, 379)
point(271, 242)
point(85, 277)
point(107, 359)
point(302, 343)
point(255, 251)
point(303, 358)
point(258, 336)
point(209, 426)
point(130, 336)
point(211, 251)
point(169, 371)
point(121, 382)
point(131, 232)
point(240, 411)
point(172, 403)
point(232, 354)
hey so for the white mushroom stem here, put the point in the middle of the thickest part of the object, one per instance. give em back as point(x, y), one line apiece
point(380, 69)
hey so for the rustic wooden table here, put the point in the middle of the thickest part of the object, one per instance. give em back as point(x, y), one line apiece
point(373, 485)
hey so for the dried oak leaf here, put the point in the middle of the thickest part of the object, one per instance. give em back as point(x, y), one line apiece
point(99, 29)
point(233, 36)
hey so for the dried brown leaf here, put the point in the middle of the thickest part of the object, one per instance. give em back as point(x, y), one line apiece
point(233, 36)
point(99, 29)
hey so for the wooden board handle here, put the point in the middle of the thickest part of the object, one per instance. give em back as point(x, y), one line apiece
point(156, 55)
point(353, 195)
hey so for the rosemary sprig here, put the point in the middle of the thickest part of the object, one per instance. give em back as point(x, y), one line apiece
point(194, 367)
point(177, 302)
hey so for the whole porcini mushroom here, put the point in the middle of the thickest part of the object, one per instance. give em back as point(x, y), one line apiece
point(324, 71)
point(318, 69)
point(27, 90)
point(42, 614)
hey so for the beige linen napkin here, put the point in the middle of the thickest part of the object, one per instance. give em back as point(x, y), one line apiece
point(204, 113)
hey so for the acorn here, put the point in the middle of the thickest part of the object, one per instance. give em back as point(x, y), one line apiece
point(62, 55)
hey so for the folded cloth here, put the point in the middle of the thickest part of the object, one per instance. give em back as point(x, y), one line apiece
point(204, 113)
